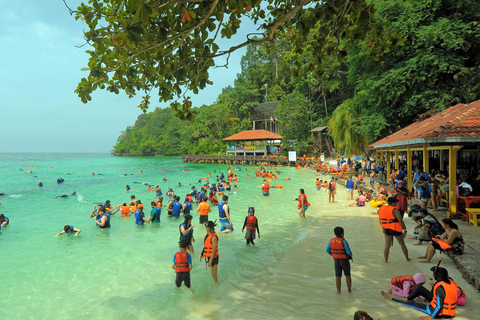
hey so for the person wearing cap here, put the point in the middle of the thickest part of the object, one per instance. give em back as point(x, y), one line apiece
point(210, 249)
point(402, 285)
point(251, 223)
point(186, 233)
point(182, 264)
point(442, 298)
point(392, 224)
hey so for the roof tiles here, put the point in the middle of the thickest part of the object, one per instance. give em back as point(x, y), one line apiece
point(462, 120)
point(254, 135)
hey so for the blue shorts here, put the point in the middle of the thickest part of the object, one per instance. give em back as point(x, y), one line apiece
point(304, 208)
point(372, 181)
point(225, 224)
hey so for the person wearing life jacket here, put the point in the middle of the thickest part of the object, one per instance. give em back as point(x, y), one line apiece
point(318, 184)
point(176, 207)
point(265, 187)
point(187, 205)
point(200, 195)
point(251, 223)
point(159, 202)
point(4, 221)
point(442, 298)
point(392, 224)
point(69, 229)
point(402, 285)
point(103, 219)
point(460, 293)
point(361, 199)
point(203, 210)
point(303, 203)
point(210, 249)
point(140, 216)
point(182, 264)
point(124, 209)
point(350, 186)
point(224, 216)
point(154, 213)
point(340, 251)
point(186, 232)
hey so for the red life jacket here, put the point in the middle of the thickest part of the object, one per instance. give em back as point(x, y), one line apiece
point(388, 220)
point(265, 186)
point(189, 198)
point(450, 301)
point(208, 246)
point(181, 262)
point(398, 281)
point(443, 245)
point(338, 249)
point(251, 222)
point(305, 202)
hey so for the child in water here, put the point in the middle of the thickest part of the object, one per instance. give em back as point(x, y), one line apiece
point(182, 264)
point(339, 249)
point(69, 229)
point(251, 223)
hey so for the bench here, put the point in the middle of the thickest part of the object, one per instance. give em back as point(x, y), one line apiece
point(468, 201)
point(473, 215)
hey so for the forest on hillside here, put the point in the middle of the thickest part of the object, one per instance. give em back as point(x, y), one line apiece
point(429, 60)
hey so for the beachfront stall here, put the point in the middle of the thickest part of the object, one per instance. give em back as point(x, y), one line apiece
point(254, 143)
point(449, 140)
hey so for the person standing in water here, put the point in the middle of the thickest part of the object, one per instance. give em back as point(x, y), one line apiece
point(340, 251)
point(332, 189)
point(251, 223)
point(3, 221)
point(182, 264)
point(392, 224)
point(303, 204)
point(265, 188)
point(224, 215)
point(210, 249)
point(155, 213)
point(203, 210)
point(103, 219)
point(186, 233)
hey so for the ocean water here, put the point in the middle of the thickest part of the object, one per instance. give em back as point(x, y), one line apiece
point(125, 272)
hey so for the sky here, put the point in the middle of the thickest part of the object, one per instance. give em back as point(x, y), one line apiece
point(40, 69)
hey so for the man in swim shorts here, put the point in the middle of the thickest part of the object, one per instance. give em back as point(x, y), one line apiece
point(224, 216)
point(392, 224)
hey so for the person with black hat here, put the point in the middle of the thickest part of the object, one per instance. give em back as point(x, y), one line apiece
point(210, 249)
point(251, 223)
point(392, 224)
point(442, 298)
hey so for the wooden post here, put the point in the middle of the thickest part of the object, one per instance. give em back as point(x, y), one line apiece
point(452, 181)
point(376, 156)
point(253, 124)
point(396, 159)
point(442, 163)
point(425, 160)
point(388, 164)
point(409, 168)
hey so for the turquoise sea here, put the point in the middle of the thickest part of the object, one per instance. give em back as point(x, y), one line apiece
point(125, 272)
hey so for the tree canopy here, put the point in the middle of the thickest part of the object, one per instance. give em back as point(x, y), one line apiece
point(168, 46)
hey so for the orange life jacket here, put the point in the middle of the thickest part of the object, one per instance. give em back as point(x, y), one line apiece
point(450, 301)
point(203, 208)
point(125, 210)
point(133, 208)
point(265, 186)
point(181, 262)
point(325, 185)
point(251, 222)
point(388, 220)
point(338, 249)
point(306, 203)
point(318, 183)
point(398, 281)
point(462, 293)
point(208, 246)
point(442, 244)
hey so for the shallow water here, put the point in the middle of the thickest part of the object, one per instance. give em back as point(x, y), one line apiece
point(125, 272)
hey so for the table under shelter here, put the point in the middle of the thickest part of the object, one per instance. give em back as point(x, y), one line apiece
point(254, 143)
point(450, 138)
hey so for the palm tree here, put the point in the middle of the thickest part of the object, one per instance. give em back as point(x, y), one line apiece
point(344, 126)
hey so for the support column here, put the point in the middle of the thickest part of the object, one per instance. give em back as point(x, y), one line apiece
point(253, 124)
point(396, 160)
point(425, 160)
point(452, 181)
point(388, 164)
point(376, 156)
point(441, 157)
point(409, 168)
